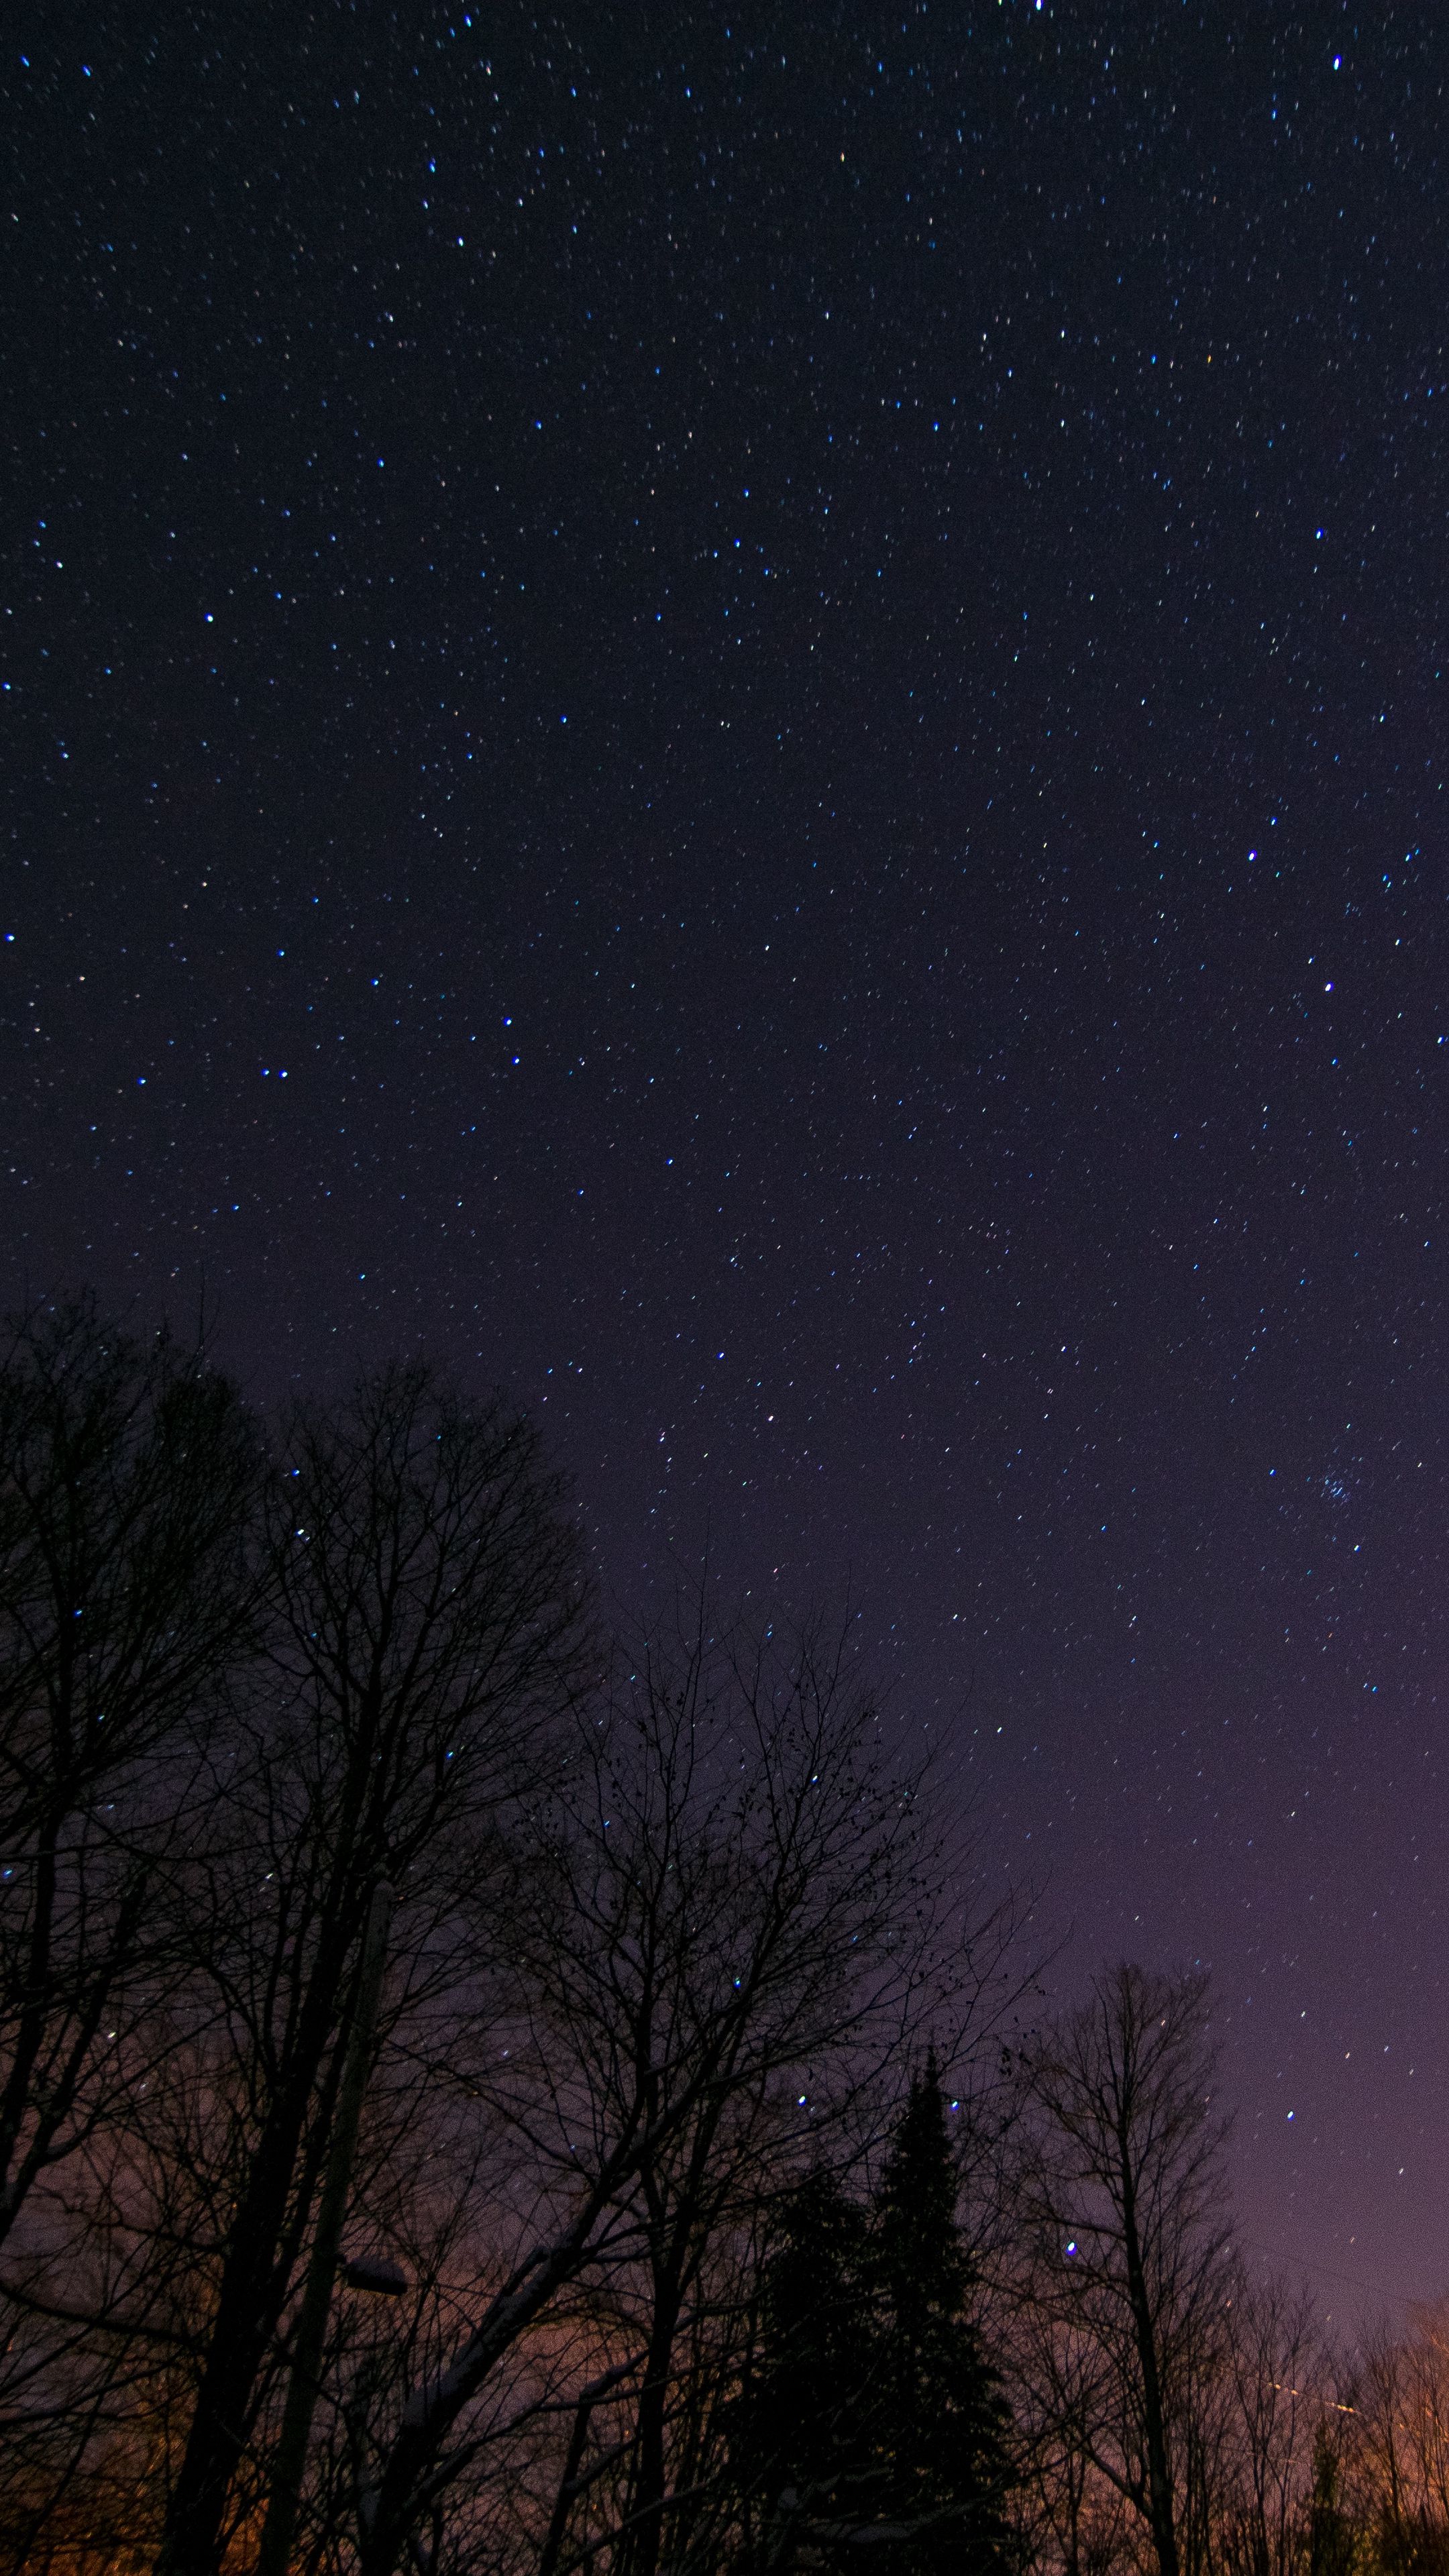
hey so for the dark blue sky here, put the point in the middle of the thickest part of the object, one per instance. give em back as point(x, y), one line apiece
point(741, 718)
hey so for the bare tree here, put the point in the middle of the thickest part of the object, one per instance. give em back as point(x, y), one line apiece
point(1394, 2485)
point(728, 1924)
point(128, 1586)
point(1278, 2385)
point(428, 1626)
point(1074, 2515)
point(1123, 2198)
point(127, 1478)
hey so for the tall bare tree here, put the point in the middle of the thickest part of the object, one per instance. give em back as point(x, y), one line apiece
point(128, 1587)
point(128, 1473)
point(1279, 2388)
point(1393, 2454)
point(726, 1930)
point(1124, 2202)
point(428, 1624)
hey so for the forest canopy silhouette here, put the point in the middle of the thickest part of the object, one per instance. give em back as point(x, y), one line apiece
point(481, 2092)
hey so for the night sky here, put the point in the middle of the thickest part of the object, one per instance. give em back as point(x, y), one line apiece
point(742, 720)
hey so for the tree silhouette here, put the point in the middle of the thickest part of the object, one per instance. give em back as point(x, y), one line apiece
point(939, 2418)
point(1123, 2198)
point(802, 2418)
point(874, 2415)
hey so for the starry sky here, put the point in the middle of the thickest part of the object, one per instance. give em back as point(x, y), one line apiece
point(740, 719)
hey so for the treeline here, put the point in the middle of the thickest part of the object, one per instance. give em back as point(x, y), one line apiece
point(475, 2096)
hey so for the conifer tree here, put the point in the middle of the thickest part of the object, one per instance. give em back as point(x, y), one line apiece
point(802, 2438)
point(939, 2419)
point(874, 2416)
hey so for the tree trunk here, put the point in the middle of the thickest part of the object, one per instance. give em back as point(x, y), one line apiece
point(254, 2283)
point(1154, 2433)
point(643, 2542)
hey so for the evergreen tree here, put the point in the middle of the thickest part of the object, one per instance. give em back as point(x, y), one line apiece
point(938, 2418)
point(800, 2439)
point(873, 2407)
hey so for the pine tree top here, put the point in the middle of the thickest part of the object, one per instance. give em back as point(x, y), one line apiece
point(922, 2257)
